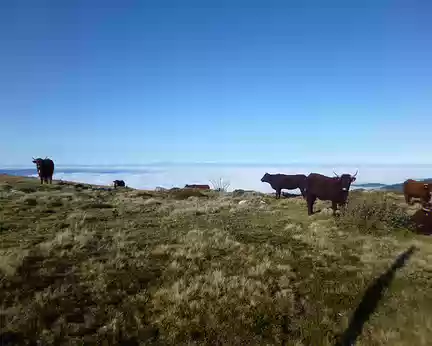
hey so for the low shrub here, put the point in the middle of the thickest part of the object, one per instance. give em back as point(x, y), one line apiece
point(186, 193)
point(373, 212)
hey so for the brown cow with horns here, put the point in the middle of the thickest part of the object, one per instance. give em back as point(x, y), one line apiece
point(334, 189)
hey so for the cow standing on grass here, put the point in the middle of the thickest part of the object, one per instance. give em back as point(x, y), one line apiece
point(284, 181)
point(118, 183)
point(334, 189)
point(417, 189)
point(45, 169)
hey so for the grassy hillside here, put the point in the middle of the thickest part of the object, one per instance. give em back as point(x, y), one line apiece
point(90, 266)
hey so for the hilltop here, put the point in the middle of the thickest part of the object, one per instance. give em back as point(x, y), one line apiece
point(91, 265)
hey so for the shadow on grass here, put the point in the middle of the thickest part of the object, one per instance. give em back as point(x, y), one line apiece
point(370, 300)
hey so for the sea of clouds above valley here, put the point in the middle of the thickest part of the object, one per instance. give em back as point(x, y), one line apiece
point(240, 177)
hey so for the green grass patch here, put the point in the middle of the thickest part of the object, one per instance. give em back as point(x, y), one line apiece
point(186, 267)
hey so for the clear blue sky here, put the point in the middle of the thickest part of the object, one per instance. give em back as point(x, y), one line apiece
point(227, 81)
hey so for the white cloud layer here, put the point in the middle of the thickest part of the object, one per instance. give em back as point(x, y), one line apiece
point(240, 177)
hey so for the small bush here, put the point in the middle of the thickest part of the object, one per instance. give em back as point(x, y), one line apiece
point(5, 187)
point(144, 194)
point(220, 185)
point(30, 201)
point(55, 204)
point(373, 212)
point(27, 189)
point(238, 193)
point(96, 205)
point(186, 193)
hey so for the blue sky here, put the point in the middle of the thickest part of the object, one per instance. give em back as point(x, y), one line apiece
point(121, 82)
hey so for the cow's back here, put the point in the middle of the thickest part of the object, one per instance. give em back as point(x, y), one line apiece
point(47, 167)
point(415, 188)
point(409, 185)
point(321, 186)
point(293, 181)
point(288, 181)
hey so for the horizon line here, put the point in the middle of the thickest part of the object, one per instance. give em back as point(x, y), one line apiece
point(209, 163)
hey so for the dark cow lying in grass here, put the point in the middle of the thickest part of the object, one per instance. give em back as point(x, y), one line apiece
point(422, 219)
point(284, 181)
point(197, 186)
point(119, 183)
point(45, 169)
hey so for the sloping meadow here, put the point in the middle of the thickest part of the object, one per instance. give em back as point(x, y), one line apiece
point(85, 266)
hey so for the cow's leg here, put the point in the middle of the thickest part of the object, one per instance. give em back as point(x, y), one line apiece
point(278, 193)
point(50, 180)
point(303, 192)
point(407, 198)
point(334, 207)
point(41, 179)
point(310, 202)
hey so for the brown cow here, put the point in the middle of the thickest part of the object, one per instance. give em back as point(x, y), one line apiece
point(334, 189)
point(197, 186)
point(422, 219)
point(417, 189)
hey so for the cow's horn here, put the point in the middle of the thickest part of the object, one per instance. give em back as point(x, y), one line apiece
point(355, 173)
point(335, 173)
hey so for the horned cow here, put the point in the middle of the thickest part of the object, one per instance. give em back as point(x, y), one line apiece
point(334, 189)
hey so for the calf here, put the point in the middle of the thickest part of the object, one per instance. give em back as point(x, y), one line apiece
point(334, 189)
point(422, 220)
point(45, 169)
point(417, 189)
point(197, 186)
point(284, 181)
point(119, 183)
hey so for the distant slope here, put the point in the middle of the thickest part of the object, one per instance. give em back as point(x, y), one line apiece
point(370, 185)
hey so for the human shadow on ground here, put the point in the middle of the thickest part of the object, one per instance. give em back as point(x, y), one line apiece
point(370, 300)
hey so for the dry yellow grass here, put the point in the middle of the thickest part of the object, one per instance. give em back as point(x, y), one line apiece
point(82, 266)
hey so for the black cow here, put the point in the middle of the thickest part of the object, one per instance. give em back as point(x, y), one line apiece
point(334, 189)
point(283, 181)
point(45, 169)
point(119, 183)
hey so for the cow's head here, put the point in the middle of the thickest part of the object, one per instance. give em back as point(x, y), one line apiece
point(38, 162)
point(265, 178)
point(346, 180)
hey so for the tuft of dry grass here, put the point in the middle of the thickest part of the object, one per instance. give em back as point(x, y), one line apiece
point(86, 266)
